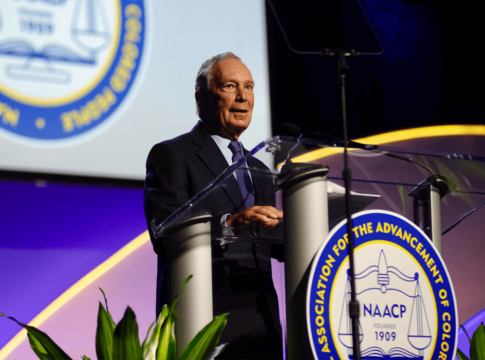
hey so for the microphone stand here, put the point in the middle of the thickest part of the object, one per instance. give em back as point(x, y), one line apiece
point(354, 304)
point(354, 310)
point(342, 70)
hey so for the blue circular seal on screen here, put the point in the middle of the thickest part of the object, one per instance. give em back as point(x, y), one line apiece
point(66, 65)
point(407, 302)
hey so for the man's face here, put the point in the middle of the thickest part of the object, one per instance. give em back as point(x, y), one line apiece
point(231, 97)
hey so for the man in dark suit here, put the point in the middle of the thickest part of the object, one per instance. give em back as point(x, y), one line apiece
point(178, 169)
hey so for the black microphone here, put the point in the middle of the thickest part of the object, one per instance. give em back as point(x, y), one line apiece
point(294, 129)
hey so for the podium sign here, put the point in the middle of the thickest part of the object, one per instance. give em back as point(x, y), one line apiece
point(407, 303)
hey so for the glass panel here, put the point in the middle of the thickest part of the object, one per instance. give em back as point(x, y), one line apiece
point(389, 174)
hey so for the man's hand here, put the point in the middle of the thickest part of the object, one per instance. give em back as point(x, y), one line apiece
point(256, 217)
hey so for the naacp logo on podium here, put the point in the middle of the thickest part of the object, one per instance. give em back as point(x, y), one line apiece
point(66, 65)
point(407, 303)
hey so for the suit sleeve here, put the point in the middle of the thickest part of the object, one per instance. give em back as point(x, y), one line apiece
point(166, 185)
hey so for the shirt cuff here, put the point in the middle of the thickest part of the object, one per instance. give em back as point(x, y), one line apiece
point(226, 230)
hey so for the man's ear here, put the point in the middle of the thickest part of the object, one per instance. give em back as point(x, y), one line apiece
point(199, 100)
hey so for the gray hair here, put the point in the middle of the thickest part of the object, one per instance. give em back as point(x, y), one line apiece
point(204, 76)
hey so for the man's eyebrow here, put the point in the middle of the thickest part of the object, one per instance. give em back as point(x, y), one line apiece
point(250, 82)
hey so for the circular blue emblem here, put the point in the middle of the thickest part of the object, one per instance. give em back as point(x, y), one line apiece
point(407, 302)
point(66, 65)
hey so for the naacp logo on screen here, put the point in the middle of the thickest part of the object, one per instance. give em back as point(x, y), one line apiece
point(407, 303)
point(66, 65)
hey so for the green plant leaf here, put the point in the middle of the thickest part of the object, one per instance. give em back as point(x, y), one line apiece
point(150, 346)
point(147, 337)
point(166, 341)
point(37, 347)
point(464, 330)
point(105, 300)
point(186, 281)
point(202, 345)
point(54, 352)
point(126, 344)
point(104, 335)
point(107, 311)
point(174, 302)
point(460, 355)
point(477, 347)
point(43, 346)
point(84, 357)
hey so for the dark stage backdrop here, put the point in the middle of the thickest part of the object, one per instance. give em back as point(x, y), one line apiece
point(429, 74)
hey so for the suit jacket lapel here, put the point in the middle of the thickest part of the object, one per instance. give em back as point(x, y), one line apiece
point(212, 157)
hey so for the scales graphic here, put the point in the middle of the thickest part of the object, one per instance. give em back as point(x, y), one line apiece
point(90, 28)
point(407, 303)
point(377, 283)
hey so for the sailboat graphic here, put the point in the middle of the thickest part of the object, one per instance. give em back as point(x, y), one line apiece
point(90, 27)
point(383, 284)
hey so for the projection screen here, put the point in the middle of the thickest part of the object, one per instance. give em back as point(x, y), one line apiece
point(87, 87)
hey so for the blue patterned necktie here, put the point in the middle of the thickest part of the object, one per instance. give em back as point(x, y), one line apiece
point(243, 179)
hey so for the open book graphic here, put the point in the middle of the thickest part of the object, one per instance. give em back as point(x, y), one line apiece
point(394, 354)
